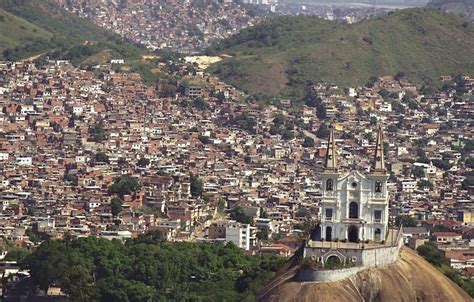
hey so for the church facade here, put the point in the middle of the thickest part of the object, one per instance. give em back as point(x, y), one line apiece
point(353, 233)
point(354, 207)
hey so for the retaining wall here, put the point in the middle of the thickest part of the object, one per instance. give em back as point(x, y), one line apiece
point(365, 258)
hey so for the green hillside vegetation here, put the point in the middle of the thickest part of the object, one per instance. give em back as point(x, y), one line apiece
point(17, 32)
point(283, 55)
point(32, 27)
point(461, 7)
point(148, 269)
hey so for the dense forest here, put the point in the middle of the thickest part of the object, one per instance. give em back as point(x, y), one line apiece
point(149, 269)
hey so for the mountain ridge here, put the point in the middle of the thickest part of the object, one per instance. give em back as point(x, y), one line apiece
point(461, 7)
point(284, 55)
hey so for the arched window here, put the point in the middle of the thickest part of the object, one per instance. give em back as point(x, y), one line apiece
point(354, 210)
point(329, 185)
point(378, 186)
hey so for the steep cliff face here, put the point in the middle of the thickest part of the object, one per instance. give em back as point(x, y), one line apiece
point(410, 279)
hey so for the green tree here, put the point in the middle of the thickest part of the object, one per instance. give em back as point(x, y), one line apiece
point(116, 206)
point(143, 162)
point(124, 185)
point(373, 121)
point(418, 171)
point(239, 215)
point(406, 221)
point(149, 269)
point(323, 131)
point(262, 234)
point(101, 157)
point(384, 93)
point(425, 184)
point(98, 132)
point(279, 120)
point(287, 135)
point(197, 186)
point(430, 252)
point(308, 142)
point(371, 81)
point(412, 104)
point(392, 128)
point(200, 104)
point(321, 111)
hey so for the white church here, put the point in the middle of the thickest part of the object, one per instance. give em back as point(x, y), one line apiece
point(354, 206)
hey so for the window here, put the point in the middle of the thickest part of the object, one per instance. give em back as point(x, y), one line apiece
point(378, 186)
point(377, 216)
point(353, 210)
point(328, 214)
point(354, 184)
point(329, 185)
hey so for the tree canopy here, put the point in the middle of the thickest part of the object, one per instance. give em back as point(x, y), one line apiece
point(197, 186)
point(116, 206)
point(147, 269)
point(124, 185)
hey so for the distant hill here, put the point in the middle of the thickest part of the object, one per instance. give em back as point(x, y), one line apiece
point(33, 27)
point(283, 55)
point(410, 279)
point(461, 7)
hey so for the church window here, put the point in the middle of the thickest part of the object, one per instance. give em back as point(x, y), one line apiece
point(328, 214)
point(329, 185)
point(377, 216)
point(354, 210)
point(354, 184)
point(378, 186)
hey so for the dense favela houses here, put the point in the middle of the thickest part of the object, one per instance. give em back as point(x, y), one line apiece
point(98, 153)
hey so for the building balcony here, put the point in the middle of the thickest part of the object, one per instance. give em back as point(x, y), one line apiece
point(379, 197)
point(330, 194)
point(352, 220)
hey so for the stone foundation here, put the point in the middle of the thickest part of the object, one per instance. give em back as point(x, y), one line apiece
point(355, 259)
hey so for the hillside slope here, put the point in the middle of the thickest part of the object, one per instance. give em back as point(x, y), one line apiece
point(410, 279)
point(31, 27)
point(17, 31)
point(283, 55)
point(460, 7)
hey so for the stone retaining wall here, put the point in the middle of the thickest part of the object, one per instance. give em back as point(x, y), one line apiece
point(362, 258)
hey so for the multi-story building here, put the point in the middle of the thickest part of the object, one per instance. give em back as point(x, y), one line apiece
point(239, 234)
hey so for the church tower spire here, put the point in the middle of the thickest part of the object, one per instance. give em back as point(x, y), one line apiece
point(331, 161)
point(379, 160)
